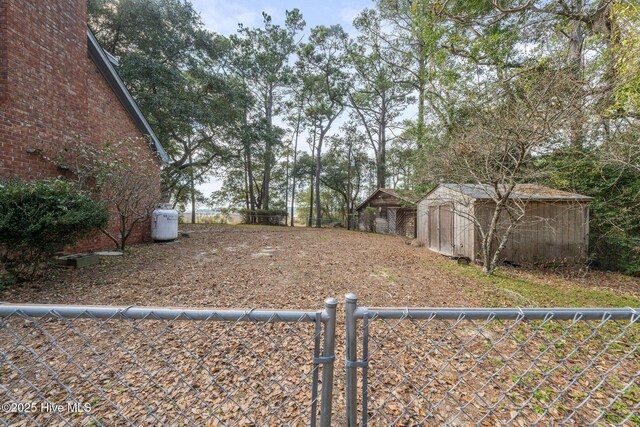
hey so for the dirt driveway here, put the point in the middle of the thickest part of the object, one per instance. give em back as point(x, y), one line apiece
point(254, 266)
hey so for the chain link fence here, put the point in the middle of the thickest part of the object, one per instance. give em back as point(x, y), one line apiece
point(489, 367)
point(63, 365)
point(83, 365)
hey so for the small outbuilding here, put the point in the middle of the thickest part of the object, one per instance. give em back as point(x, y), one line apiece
point(387, 212)
point(553, 225)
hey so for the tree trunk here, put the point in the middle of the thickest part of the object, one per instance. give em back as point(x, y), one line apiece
point(193, 192)
point(249, 169)
point(318, 170)
point(252, 195)
point(313, 150)
point(487, 256)
point(421, 99)
point(348, 195)
point(310, 219)
point(295, 159)
point(246, 184)
point(576, 64)
point(268, 155)
point(381, 161)
point(123, 228)
point(286, 188)
point(381, 169)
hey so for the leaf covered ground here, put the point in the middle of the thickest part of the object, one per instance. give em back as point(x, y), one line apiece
point(279, 267)
point(150, 372)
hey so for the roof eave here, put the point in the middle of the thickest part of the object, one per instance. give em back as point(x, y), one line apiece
point(102, 61)
point(368, 199)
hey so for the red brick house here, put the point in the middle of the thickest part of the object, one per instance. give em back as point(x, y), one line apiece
point(57, 83)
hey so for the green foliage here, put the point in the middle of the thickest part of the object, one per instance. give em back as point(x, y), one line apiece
point(325, 85)
point(39, 218)
point(381, 87)
point(261, 57)
point(172, 66)
point(625, 55)
point(213, 219)
point(264, 216)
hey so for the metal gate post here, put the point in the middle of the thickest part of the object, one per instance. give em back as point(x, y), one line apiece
point(351, 302)
point(328, 353)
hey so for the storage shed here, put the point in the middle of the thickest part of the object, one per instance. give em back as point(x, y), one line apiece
point(391, 213)
point(554, 226)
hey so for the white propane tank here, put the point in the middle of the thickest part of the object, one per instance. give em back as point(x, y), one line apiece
point(164, 224)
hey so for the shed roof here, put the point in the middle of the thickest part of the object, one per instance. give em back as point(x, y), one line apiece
point(521, 191)
point(104, 62)
point(390, 191)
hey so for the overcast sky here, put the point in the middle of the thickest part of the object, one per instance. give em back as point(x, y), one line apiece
point(223, 18)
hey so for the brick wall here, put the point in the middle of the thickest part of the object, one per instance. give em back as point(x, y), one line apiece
point(51, 92)
point(3, 52)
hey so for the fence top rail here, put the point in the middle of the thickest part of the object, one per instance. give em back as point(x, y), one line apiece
point(159, 313)
point(626, 313)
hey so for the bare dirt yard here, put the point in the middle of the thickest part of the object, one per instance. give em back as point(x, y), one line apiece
point(280, 267)
point(182, 372)
point(255, 266)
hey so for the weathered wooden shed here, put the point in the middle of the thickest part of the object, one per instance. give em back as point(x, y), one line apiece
point(554, 226)
point(391, 213)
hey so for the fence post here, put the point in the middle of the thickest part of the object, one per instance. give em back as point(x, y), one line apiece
point(351, 302)
point(328, 352)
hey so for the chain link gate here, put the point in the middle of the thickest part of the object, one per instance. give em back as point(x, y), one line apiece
point(485, 366)
point(69, 365)
point(492, 366)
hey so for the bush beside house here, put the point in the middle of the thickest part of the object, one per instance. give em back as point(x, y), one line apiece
point(38, 219)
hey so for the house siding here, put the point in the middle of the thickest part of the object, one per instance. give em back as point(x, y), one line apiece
point(51, 93)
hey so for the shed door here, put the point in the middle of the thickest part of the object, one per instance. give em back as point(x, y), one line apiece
point(446, 229)
point(441, 229)
point(434, 240)
point(391, 218)
point(382, 226)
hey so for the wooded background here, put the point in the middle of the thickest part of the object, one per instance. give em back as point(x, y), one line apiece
point(496, 93)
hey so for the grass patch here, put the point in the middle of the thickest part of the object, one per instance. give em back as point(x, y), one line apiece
point(507, 290)
point(386, 274)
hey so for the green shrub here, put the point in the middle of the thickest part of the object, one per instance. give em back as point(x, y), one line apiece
point(264, 216)
point(39, 218)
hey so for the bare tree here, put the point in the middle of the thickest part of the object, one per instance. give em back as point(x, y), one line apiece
point(624, 150)
point(124, 174)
